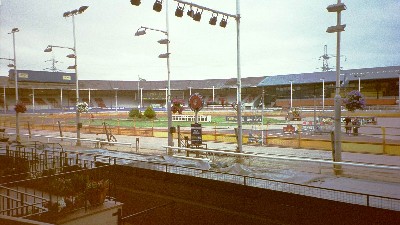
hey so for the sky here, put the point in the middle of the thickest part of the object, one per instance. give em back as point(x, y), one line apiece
point(277, 37)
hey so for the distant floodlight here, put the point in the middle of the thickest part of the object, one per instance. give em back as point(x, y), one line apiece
point(163, 41)
point(71, 56)
point(48, 49)
point(157, 6)
point(213, 19)
point(223, 22)
point(66, 14)
point(74, 12)
point(82, 9)
point(336, 7)
point(179, 10)
point(71, 67)
point(140, 32)
point(338, 28)
point(135, 2)
point(14, 30)
point(10, 65)
point(197, 16)
point(164, 56)
point(190, 12)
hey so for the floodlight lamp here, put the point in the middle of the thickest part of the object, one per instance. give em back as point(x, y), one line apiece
point(190, 12)
point(10, 65)
point(82, 9)
point(213, 19)
point(72, 67)
point(336, 7)
point(135, 2)
point(71, 56)
point(223, 22)
point(157, 6)
point(140, 32)
point(338, 28)
point(163, 41)
point(164, 56)
point(197, 16)
point(74, 12)
point(67, 14)
point(179, 10)
point(14, 30)
point(48, 49)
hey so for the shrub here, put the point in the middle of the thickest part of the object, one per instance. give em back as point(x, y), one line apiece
point(135, 113)
point(149, 113)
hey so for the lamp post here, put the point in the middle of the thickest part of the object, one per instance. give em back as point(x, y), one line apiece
point(13, 31)
point(197, 17)
point(323, 94)
point(142, 31)
point(337, 8)
point(65, 15)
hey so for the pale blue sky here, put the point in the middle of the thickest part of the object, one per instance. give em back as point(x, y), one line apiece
point(277, 37)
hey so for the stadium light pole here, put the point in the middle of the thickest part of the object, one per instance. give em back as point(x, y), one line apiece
point(223, 23)
point(337, 155)
point(13, 31)
point(142, 31)
point(78, 124)
point(49, 48)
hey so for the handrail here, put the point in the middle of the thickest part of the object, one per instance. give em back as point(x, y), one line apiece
point(291, 158)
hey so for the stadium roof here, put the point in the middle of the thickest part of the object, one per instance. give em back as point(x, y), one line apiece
point(377, 73)
point(330, 76)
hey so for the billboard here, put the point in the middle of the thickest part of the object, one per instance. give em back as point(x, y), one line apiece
point(43, 76)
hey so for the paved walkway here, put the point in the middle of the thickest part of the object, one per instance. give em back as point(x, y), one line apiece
point(373, 181)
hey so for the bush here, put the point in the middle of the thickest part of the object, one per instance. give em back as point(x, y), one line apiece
point(135, 113)
point(149, 113)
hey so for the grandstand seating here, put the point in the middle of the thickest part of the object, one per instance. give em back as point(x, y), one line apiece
point(53, 102)
point(100, 102)
point(26, 101)
point(40, 101)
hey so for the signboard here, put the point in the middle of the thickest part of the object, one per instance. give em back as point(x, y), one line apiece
point(195, 134)
point(245, 119)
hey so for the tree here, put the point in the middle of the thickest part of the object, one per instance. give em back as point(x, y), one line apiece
point(135, 113)
point(149, 113)
point(354, 100)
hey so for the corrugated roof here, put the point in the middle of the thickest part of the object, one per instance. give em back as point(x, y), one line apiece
point(303, 78)
point(330, 76)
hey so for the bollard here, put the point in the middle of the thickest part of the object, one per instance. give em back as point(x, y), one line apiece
point(137, 144)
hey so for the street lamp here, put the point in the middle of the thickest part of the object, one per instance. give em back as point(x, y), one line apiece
point(142, 31)
point(13, 31)
point(337, 8)
point(65, 15)
point(197, 16)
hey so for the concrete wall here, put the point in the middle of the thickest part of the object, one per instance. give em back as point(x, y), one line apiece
point(192, 200)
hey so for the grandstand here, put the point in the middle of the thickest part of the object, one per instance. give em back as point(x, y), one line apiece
point(56, 91)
